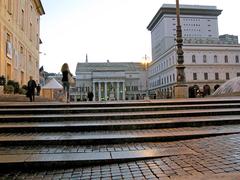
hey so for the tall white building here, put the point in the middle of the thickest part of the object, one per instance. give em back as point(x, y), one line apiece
point(209, 61)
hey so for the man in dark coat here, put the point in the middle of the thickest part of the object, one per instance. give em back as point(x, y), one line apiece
point(31, 89)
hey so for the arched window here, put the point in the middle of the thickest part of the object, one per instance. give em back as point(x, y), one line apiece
point(193, 59)
point(226, 59)
point(204, 59)
point(236, 59)
point(215, 59)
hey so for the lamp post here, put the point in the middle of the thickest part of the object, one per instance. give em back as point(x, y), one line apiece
point(180, 88)
point(180, 58)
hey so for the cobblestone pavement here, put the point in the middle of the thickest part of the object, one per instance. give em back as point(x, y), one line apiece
point(215, 156)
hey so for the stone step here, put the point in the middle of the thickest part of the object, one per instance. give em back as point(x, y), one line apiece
point(125, 124)
point(118, 115)
point(108, 137)
point(75, 110)
point(8, 162)
point(107, 123)
point(6, 98)
point(7, 105)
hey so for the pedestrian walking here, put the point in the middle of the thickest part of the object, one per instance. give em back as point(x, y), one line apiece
point(31, 89)
point(38, 89)
point(66, 75)
point(90, 96)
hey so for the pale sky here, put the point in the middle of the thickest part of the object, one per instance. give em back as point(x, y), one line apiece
point(113, 30)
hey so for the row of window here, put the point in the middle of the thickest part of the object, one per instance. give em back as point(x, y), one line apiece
point(170, 61)
point(163, 65)
point(18, 56)
point(215, 59)
point(132, 88)
point(87, 89)
point(21, 20)
point(191, 24)
point(162, 81)
point(171, 78)
point(216, 74)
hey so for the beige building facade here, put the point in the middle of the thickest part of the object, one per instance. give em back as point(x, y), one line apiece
point(19, 39)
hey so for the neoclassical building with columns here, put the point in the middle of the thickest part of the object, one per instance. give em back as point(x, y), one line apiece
point(110, 81)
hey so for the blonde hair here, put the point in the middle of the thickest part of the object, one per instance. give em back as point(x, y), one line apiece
point(65, 67)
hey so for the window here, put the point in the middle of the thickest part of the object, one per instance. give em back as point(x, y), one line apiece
point(226, 59)
point(31, 29)
point(9, 7)
point(9, 49)
point(37, 41)
point(236, 59)
point(205, 76)
point(204, 59)
point(194, 76)
point(193, 59)
point(238, 74)
point(21, 56)
point(227, 76)
point(216, 76)
point(22, 20)
point(215, 59)
point(21, 50)
point(8, 37)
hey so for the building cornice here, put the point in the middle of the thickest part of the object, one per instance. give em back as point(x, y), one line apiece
point(39, 7)
point(184, 10)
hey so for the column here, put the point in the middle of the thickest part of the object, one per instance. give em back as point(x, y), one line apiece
point(94, 93)
point(118, 91)
point(105, 91)
point(124, 91)
point(99, 91)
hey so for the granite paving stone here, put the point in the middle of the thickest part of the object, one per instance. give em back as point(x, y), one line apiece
point(214, 155)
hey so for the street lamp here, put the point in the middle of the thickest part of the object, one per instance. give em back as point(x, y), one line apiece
point(180, 58)
point(145, 61)
point(180, 88)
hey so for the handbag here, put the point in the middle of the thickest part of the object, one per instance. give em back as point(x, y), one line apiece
point(71, 81)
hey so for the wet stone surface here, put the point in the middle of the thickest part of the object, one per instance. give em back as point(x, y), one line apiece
point(215, 155)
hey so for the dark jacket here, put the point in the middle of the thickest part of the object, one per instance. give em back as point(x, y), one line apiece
point(31, 85)
point(65, 76)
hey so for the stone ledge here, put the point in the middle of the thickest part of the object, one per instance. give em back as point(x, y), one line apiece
point(53, 160)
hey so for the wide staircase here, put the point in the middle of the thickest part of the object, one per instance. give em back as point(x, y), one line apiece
point(48, 135)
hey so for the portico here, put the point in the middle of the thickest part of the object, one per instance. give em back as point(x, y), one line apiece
point(111, 90)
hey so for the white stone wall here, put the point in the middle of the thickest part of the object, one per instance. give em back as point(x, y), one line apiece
point(165, 67)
